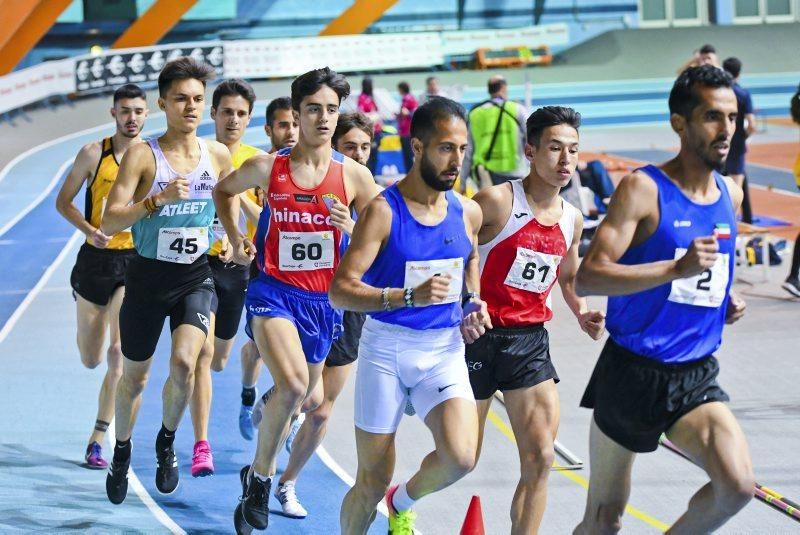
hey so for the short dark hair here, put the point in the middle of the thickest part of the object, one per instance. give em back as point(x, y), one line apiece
point(732, 66)
point(129, 91)
point(550, 116)
point(280, 103)
point(683, 98)
point(366, 85)
point(496, 85)
point(430, 79)
point(707, 49)
point(404, 88)
point(184, 68)
point(348, 121)
point(311, 82)
point(233, 87)
point(423, 122)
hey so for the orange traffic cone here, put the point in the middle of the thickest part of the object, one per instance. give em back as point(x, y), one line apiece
point(473, 522)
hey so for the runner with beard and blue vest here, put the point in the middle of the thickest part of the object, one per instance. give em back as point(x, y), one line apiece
point(664, 255)
point(163, 191)
point(297, 247)
point(413, 253)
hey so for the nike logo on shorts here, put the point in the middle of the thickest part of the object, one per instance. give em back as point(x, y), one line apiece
point(443, 388)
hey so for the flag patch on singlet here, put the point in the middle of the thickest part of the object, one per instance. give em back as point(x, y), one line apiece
point(722, 231)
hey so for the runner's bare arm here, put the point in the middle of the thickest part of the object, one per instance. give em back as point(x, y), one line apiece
point(360, 188)
point(495, 204)
point(221, 157)
point(476, 314)
point(126, 200)
point(82, 171)
point(601, 273)
point(251, 209)
point(254, 172)
point(591, 321)
point(369, 236)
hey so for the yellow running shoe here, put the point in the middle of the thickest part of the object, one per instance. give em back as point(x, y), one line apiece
point(400, 523)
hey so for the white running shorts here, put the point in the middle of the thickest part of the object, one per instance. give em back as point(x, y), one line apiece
point(396, 363)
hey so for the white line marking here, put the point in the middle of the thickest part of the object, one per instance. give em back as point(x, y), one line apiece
point(23, 306)
point(35, 202)
point(141, 492)
point(337, 469)
point(779, 191)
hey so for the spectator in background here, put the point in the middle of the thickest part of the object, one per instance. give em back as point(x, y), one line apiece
point(705, 55)
point(431, 90)
point(368, 106)
point(745, 126)
point(792, 283)
point(407, 106)
point(496, 151)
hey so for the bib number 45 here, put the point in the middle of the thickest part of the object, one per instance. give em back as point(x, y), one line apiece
point(184, 246)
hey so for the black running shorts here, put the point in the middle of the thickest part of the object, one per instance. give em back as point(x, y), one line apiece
point(154, 290)
point(636, 398)
point(509, 358)
point(344, 350)
point(99, 272)
point(227, 303)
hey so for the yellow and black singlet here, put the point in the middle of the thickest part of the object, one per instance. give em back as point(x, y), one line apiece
point(97, 194)
point(243, 153)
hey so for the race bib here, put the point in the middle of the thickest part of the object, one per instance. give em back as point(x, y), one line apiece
point(704, 290)
point(305, 251)
point(182, 245)
point(419, 271)
point(533, 271)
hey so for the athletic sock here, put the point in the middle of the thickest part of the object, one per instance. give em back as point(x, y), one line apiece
point(401, 501)
point(248, 395)
point(262, 477)
point(165, 438)
point(122, 451)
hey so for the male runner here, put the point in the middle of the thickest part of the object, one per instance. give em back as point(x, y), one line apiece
point(416, 248)
point(664, 254)
point(528, 240)
point(98, 278)
point(164, 191)
point(353, 138)
point(297, 246)
point(282, 130)
point(231, 107)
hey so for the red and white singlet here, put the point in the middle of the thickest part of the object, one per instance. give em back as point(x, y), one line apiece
point(521, 264)
point(296, 241)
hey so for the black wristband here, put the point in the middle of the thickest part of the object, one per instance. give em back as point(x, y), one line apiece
point(469, 296)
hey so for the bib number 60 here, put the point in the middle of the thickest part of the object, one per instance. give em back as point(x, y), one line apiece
point(312, 251)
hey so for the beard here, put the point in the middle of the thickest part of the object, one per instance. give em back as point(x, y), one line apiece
point(707, 155)
point(431, 177)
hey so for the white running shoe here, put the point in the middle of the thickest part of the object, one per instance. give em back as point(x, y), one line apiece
point(289, 503)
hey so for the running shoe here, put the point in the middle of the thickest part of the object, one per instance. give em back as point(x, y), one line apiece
point(202, 459)
point(94, 457)
point(258, 409)
point(409, 410)
point(117, 481)
point(400, 523)
point(246, 428)
point(296, 423)
point(254, 506)
point(167, 476)
point(792, 285)
point(289, 503)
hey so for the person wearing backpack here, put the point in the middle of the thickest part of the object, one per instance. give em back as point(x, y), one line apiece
point(496, 150)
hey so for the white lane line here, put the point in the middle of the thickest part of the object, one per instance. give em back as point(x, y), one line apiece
point(141, 492)
point(23, 306)
point(337, 469)
point(779, 191)
point(35, 202)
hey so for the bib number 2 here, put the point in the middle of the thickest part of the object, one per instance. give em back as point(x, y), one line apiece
point(707, 289)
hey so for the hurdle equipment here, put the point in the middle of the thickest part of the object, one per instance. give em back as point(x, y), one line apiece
point(762, 493)
point(573, 461)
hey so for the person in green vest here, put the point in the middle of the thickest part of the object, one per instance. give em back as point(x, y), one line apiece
point(496, 151)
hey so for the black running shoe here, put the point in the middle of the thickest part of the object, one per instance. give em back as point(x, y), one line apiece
point(117, 481)
point(792, 285)
point(255, 500)
point(167, 476)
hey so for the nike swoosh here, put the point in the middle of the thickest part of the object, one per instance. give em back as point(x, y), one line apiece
point(521, 214)
point(446, 387)
point(449, 241)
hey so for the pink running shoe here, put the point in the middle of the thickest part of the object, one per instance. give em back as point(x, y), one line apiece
point(94, 457)
point(202, 460)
